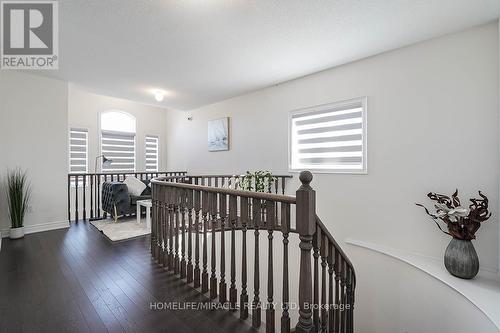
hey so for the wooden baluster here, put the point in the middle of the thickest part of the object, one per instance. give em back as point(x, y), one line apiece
point(159, 237)
point(176, 230)
point(154, 222)
point(171, 227)
point(283, 179)
point(154, 218)
point(271, 222)
point(91, 196)
point(167, 215)
point(99, 196)
point(84, 197)
point(256, 311)
point(233, 211)
point(342, 295)
point(306, 227)
point(183, 233)
point(316, 247)
point(165, 221)
point(69, 198)
point(331, 312)
point(206, 209)
point(244, 223)
point(163, 194)
point(237, 182)
point(349, 301)
point(96, 195)
point(159, 202)
point(213, 260)
point(285, 227)
point(155, 239)
point(76, 197)
point(189, 235)
point(337, 291)
point(197, 207)
point(324, 259)
point(222, 214)
point(105, 179)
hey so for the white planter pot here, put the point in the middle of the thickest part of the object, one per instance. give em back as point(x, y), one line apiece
point(16, 233)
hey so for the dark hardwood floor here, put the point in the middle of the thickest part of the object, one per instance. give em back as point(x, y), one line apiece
point(75, 280)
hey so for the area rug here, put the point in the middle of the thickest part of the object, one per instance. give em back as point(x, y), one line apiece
point(124, 229)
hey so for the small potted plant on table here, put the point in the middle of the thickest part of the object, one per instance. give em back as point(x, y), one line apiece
point(18, 197)
point(460, 257)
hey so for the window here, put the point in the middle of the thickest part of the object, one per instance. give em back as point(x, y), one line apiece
point(329, 138)
point(118, 141)
point(151, 153)
point(78, 150)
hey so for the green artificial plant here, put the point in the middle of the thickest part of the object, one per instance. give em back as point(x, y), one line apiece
point(18, 196)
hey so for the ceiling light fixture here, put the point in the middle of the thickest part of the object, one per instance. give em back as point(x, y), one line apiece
point(159, 94)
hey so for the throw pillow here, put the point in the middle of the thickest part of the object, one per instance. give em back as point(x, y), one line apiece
point(135, 186)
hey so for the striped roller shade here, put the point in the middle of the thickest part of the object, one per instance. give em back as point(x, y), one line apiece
point(120, 148)
point(151, 153)
point(78, 150)
point(329, 138)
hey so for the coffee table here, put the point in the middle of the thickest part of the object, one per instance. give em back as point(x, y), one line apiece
point(148, 204)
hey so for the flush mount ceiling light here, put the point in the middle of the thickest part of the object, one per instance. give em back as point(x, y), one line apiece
point(159, 94)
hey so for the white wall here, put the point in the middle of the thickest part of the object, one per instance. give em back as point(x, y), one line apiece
point(432, 126)
point(33, 136)
point(84, 112)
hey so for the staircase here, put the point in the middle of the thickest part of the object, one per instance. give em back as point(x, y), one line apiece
point(193, 215)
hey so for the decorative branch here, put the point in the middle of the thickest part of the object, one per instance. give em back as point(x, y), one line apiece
point(462, 223)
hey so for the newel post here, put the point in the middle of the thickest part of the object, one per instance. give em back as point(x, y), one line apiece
point(306, 227)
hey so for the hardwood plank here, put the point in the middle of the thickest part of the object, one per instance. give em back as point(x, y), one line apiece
point(75, 280)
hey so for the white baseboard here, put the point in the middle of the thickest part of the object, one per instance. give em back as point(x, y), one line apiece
point(30, 229)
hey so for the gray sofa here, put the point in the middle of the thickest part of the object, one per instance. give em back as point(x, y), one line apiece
point(115, 194)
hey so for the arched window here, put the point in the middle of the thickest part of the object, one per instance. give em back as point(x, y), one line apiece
point(118, 141)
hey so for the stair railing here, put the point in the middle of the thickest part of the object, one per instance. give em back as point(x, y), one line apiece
point(186, 214)
point(84, 191)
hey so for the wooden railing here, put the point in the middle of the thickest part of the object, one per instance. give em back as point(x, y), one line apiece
point(84, 191)
point(277, 186)
point(187, 214)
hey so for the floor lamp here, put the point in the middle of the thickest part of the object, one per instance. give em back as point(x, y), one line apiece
point(106, 161)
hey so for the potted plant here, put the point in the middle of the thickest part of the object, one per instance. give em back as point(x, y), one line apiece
point(18, 197)
point(460, 257)
point(258, 181)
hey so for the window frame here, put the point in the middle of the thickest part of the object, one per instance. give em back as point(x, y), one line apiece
point(100, 130)
point(323, 107)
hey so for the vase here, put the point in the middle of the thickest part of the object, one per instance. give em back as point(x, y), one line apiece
point(16, 233)
point(460, 259)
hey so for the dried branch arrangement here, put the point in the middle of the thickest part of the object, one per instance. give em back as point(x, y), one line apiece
point(462, 223)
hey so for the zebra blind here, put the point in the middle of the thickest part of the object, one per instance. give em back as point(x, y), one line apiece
point(78, 150)
point(120, 148)
point(151, 153)
point(329, 138)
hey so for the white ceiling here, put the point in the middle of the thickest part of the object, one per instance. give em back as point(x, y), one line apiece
point(203, 51)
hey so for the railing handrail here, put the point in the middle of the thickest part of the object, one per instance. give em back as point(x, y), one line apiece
point(242, 193)
point(230, 175)
point(181, 173)
point(331, 239)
